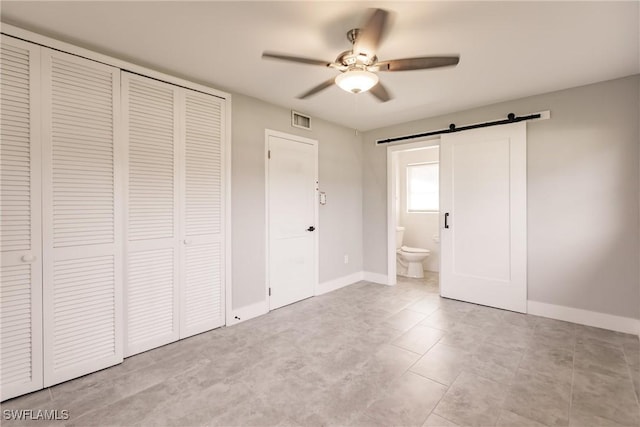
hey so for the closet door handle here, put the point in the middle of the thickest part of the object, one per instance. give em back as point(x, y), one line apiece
point(28, 258)
point(446, 220)
point(187, 241)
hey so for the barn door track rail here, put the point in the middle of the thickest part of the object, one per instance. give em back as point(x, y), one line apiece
point(511, 118)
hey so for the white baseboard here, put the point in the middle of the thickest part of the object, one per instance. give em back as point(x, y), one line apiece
point(381, 279)
point(340, 282)
point(584, 317)
point(249, 312)
point(242, 314)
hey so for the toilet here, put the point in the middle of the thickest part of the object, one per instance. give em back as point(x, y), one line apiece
point(409, 260)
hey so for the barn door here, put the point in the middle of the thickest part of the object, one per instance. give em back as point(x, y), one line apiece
point(483, 190)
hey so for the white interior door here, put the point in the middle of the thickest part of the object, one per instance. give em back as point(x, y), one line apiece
point(82, 216)
point(202, 211)
point(483, 199)
point(20, 230)
point(292, 212)
point(151, 249)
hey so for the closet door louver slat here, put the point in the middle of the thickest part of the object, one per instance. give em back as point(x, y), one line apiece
point(152, 213)
point(81, 213)
point(203, 262)
point(20, 231)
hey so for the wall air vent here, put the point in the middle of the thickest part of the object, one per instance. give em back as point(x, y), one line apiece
point(300, 120)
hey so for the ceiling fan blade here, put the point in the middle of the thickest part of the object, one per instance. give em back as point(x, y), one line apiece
point(370, 36)
point(298, 59)
point(422, 63)
point(313, 91)
point(380, 92)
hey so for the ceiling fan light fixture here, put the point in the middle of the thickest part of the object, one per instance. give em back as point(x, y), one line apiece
point(356, 81)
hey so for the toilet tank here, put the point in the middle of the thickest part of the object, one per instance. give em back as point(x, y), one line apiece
point(399, 237)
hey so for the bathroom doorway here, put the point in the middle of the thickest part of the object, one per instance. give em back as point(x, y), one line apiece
point(413, 210)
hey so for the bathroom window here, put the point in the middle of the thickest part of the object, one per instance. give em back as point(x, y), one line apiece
point(422, 187)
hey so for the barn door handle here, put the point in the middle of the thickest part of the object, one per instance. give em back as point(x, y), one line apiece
point(446, 220)
point(311, 228)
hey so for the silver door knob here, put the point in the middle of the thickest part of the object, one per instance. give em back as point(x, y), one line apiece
point(187, 241)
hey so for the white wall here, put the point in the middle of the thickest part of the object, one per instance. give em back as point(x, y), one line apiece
point(340, 176)
point(420, 227)
point(582, 202)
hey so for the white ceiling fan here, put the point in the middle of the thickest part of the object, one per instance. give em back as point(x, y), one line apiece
point(358, 66)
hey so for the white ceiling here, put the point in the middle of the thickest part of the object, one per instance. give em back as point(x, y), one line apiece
point(508, 49)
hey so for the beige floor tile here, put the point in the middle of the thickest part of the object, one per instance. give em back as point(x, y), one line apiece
point(631, 351)
point(581, 419)
point(635, 378)
point(348, 401)
point(483, 317)
point(176, 399)
point(87, 399)
point(605, 396)
point(554, 326)
point(540, 398)
point(455, 305)
point(426, 305)
point(442, 319)
point(392, 305)
point(511, 419)
point(352, 357)
point(364, 420)
point(472, 401)
point(496, 363)
point(418, 339)
point(555, 362)
point(554, 333)
point(442, 363)
point(249, 410)
point(593, 356)
point(387, 364)
point(405, 320)
point(603, 335)
point(37, 399)
point(465, 336)
point(437, 421)
point(514, 338)
point(407, 401)
point(519, 320)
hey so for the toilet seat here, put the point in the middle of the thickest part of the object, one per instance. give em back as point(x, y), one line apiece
point(411, 250)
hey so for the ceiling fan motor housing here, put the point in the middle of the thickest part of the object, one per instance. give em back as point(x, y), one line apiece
point(350, 59)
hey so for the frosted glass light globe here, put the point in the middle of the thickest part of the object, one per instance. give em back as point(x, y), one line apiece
point(356, 81)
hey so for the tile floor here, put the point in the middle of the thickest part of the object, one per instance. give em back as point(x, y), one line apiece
point(368, 355)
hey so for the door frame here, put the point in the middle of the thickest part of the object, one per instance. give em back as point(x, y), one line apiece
point(316, 216)
point(392, 217)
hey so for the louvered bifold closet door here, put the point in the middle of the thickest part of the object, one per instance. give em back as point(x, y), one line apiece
point(202, 291)
point(82, 210)
point(20, 235)
point(151, 259)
